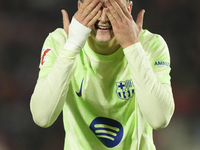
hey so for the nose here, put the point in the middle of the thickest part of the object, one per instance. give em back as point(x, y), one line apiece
point(103, 17)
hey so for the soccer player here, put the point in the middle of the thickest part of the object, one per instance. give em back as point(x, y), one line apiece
point(108, 76)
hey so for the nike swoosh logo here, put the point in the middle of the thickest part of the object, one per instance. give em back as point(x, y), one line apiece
point(80, 92)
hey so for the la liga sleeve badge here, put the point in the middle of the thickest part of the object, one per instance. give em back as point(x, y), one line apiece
point(44, 53)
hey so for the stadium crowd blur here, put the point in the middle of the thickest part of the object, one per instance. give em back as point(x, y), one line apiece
point(24, 25)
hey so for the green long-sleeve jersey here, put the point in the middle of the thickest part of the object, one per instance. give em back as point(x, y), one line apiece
point(108, 101)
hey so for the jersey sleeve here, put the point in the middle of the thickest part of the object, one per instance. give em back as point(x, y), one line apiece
point(50, 50)
point(149, 62)
point(56, 68)
point(161, 60)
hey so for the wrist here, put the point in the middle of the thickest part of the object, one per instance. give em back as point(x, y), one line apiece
point(129, 44)
point(78, 34)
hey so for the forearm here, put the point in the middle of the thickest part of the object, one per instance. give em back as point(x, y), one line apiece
point(155, 99)
point(50, 92)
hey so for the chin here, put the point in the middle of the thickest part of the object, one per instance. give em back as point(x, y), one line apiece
point(103, 40)
point(102, 36)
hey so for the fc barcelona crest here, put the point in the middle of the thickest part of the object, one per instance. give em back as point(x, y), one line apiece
point(125, 89)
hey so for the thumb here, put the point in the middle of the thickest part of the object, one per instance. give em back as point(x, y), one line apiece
point(140, 18)
point(66, 22)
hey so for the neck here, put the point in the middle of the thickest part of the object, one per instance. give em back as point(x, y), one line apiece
point(103, 48)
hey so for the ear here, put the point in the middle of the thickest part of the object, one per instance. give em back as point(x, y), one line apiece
point(79, 4)
point(129, 6)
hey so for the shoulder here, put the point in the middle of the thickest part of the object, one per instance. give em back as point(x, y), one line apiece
point(53, 43)
point(58, 33)
point(153, 43)
point(151, 39)
point(55, 38)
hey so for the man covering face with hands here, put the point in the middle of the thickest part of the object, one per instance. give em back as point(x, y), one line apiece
point(108, 76)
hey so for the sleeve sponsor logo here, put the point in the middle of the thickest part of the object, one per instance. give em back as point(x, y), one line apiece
point(163, 63)
point(108, 131)
point(44, 54)
point(125, 89)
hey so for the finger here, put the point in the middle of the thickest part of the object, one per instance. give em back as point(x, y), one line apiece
point(84, 5)
point(94, 20)
point(92, 15)
point(110, 17)
point(122, 6)
point(140, 18)
point(113, 14)
point(66, 21)
point(87, 8)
